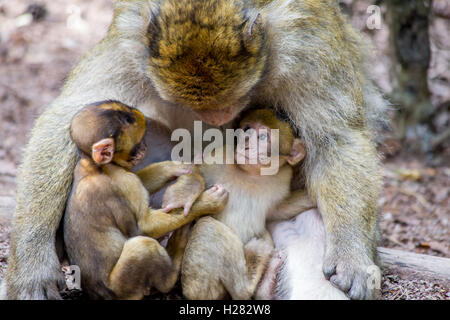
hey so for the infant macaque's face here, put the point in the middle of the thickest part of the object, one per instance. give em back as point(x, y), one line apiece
point(254, 147)
point(266, 142)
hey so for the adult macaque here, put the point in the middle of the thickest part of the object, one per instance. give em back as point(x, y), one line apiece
point(227, 254)
point(109, 230)
point(210, 59)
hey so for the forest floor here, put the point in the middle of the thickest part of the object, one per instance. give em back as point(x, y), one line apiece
point(36, 56)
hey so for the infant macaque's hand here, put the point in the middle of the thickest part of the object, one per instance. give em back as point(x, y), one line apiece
point(183, 193)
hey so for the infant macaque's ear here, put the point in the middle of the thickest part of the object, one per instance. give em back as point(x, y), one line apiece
point(298, 152)
point(103, 151)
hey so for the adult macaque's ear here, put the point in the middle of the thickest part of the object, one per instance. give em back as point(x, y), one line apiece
point(252, 28)
point(253, 24)
point(298, 152)
point(103, 151)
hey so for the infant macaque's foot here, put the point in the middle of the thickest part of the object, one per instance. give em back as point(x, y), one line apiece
point(268, 284)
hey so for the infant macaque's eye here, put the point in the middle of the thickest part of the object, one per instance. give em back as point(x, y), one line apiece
point(129, 119)
point(262, 136)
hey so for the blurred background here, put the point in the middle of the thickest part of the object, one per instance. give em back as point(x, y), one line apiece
point(41, 41)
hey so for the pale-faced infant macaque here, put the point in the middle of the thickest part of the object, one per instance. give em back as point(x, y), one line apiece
point(227, 253)
point(109, 229)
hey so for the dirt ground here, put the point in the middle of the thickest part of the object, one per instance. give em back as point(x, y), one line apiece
point(37, 51)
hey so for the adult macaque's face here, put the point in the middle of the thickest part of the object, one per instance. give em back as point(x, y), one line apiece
point(218, 115)
point(206, 61)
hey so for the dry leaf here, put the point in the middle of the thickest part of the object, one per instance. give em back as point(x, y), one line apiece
point(409, 174)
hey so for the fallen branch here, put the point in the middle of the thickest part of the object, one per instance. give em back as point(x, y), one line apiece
point(410, 262)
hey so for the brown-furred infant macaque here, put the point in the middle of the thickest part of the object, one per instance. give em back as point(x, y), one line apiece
point(109, 229)
point(227, 253)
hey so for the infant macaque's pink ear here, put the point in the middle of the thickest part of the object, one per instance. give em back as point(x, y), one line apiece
point(103, 151)
point(298, 152)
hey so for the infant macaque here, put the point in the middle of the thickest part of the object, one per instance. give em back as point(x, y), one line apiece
point(227, 254)
point(109, 229)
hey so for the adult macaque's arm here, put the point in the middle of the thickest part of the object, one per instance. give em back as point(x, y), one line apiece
point(346, 195)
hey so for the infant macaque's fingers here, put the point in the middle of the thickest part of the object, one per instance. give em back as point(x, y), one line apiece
point(212, 189)
point(187, 207)
point(218, 191)
point(221, 190)
point(169, 207)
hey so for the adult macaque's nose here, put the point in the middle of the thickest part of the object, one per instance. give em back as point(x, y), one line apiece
point(216, 117)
